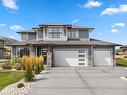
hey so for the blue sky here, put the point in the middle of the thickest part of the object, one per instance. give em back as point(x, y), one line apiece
point(108, 17)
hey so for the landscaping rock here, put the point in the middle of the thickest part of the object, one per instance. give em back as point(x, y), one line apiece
point(13, 90)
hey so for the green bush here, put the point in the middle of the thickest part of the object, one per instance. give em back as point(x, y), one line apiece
point(6, 66)
point(17, 66)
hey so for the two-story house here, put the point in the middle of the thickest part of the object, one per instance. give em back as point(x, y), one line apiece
point(1, 48)
point(66, 45)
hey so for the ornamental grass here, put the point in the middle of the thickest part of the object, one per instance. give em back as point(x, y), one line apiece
point(30, 64)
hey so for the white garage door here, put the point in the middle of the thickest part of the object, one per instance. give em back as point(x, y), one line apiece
point(69, 58)
point(103, 58)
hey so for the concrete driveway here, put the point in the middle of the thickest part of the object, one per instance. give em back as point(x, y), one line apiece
point(81, 81)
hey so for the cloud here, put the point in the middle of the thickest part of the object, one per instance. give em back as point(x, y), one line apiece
point(92, 4)
point(109, 11)
point(114, 30)
point(2, 25)
point(10, 4)
point(120, 24)
point(75, 21)
point(13, 37)
point(16, 27)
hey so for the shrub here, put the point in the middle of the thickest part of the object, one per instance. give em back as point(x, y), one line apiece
point(30, 64)
point(28, 74)
point(39, 64)
point(17, 66)
point(23, 62)
point(20, 85)
point(37, 69)
point(6, 66)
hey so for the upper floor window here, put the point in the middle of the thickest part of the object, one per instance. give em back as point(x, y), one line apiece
point(40, 34)
point(73, 34)
point(32, 36)
point(55, 32)
point(24, 37)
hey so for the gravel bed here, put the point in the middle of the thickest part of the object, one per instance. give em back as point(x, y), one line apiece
point(13, 90)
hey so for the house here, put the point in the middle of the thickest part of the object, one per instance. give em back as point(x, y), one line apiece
point(1, 48)
point(65, 45)
point(5, 51)
point(123, 48)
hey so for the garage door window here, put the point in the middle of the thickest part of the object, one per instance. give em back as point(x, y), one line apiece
point(82, 56)
point(82, 59)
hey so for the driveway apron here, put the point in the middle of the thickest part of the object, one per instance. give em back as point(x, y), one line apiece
point(81, 81)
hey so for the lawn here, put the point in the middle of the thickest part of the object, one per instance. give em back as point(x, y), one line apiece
point(121, 62)
point(9, 77)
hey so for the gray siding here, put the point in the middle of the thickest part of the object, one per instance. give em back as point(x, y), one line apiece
point(83, 34)
point(1, 44)
point(28, 36)
point(1, 48)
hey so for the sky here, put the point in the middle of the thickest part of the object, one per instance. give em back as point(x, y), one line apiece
point(107, 17)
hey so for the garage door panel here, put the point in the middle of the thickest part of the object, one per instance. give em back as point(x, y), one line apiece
point(102, 58)
point(66, 58)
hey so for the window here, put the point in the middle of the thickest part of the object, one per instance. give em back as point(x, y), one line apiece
point(81, 63)
point(81, 51)
point(40, 34)
point(55, 32)
point(32, 36)
point(24, 37)
point(81, 55)
point(73, 34)
point(81, 59)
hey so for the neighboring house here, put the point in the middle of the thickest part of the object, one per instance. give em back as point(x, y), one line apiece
point(6, 51)
point(66, 45)
point(123, 48)
point(1, 48)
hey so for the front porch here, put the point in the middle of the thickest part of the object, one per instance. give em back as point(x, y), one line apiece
point(46, 51)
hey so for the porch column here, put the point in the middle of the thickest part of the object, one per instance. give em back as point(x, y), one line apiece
point(91, 56)
point(36, 51)
point(113, 55)
point(49, 57)
point(13, 52)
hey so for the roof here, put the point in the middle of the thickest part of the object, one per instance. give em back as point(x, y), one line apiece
point(124, 46)
point(27, 31)
point(1, 39)
point(55, 24)
point(8, 40)
point(77, 42)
